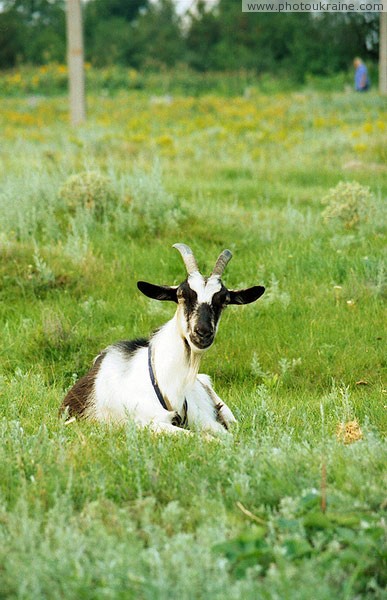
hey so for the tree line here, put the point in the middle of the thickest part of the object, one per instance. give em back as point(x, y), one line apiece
point(215, 37)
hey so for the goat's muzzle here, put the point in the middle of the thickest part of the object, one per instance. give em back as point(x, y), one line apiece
point(202, 342)
point(203, 332)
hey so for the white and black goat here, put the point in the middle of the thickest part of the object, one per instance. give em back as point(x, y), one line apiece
point(155, 381)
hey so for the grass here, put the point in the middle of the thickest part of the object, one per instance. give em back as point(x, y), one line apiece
point(51, 79)
point(90, 511)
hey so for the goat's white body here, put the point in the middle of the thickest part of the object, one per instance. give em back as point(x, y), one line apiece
point(157, 383)
point(123, 387)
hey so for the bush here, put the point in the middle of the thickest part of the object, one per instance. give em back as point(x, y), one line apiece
point(348, 203)
point(89, 190)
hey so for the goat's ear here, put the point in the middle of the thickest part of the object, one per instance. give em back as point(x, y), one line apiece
point(246, 296)
point(158, 292)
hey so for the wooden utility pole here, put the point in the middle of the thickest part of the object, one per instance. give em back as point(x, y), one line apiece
point(75, 62)
point(383, 53)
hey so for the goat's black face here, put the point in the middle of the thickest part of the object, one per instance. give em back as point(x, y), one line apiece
point(200, 304)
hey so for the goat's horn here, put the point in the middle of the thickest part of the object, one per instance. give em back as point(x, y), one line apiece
point(220, 265)
point(188, 257)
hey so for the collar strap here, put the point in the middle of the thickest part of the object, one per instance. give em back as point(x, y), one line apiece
point(154, 381)
point(180, 421)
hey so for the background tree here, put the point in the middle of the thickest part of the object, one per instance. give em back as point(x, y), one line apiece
point(222, 37)
point(383, 54)
point(157, 37)
point(75, 61)
point(203, 34)
point(12, 35)
point(39, 30)
point(108, 30)
point(215, 36)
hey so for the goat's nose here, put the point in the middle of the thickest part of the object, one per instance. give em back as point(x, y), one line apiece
point(203, 331)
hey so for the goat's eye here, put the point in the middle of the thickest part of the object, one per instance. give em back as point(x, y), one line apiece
point(186, 294)
point(182, 290)
point(222, 298)
point(226, 299)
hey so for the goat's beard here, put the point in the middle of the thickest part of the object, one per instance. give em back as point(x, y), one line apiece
point(194, 363)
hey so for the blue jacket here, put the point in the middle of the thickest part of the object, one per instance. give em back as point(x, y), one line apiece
point(362, 81)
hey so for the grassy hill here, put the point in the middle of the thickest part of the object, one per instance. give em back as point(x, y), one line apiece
point(292, 505)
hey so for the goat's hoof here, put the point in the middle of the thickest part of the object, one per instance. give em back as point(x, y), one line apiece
point(176, 420)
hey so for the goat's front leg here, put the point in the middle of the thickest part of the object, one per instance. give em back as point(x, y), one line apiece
point(160, 427)
point(202, 412)
point(224, 413)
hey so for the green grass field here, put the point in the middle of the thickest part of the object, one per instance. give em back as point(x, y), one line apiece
point(95, 512)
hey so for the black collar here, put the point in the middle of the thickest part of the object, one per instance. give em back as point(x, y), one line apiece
point(154, 380)
point(179, 421)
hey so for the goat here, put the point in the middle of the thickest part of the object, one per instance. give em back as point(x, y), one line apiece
point(156, 381)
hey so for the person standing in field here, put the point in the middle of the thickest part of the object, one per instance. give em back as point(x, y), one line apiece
point(362, 81)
